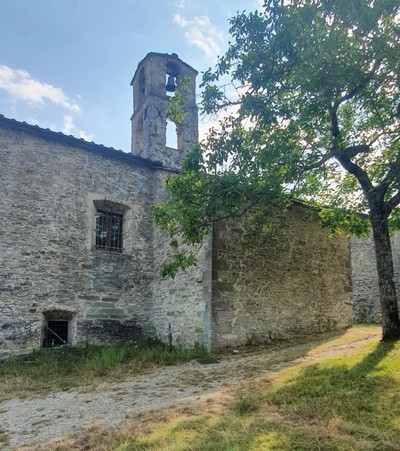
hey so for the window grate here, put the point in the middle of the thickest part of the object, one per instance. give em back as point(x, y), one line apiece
point(108, 231)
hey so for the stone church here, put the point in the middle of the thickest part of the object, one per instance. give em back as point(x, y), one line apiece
point(80, 255)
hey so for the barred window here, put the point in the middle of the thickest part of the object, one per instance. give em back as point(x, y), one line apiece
point(108, 231)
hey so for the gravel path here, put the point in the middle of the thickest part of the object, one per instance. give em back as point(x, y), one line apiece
point(40, 419)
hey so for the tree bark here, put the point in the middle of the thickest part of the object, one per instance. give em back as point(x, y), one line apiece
point(387, 288)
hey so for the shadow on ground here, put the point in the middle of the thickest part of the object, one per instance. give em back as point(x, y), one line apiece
point(347, 401)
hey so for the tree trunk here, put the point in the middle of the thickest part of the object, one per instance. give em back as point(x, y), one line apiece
point(387, 288)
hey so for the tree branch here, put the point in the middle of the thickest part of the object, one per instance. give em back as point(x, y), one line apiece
point(359, 174)
point(344, 155)
point(352, 151)
point(334, 124)
point(392, 203)
point(319, 163)
point(353, 92)
point(393, 173)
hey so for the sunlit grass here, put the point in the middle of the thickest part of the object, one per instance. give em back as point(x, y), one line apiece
point(347, 401)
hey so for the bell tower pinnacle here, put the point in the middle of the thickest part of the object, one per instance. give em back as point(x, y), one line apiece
point(156, 80)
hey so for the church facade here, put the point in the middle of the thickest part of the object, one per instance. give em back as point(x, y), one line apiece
point(80, 256)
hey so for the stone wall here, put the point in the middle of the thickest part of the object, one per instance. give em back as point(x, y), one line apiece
point(47, 256)
point(181, 307)
point(365, 278)
point(292, 281)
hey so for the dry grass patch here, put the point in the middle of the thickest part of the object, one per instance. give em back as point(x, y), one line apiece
point(4, 439)
point(340, 396)
point(48, 370)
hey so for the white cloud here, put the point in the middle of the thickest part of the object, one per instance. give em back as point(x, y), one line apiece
point(179, 20)
point(200, 32)
point(21, 86)
point(68, 125)
point(85, 136)
point(40, 123)
point(259, 4)
point(69, 128)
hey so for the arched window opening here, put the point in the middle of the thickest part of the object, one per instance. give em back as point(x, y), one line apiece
point(170, 85)
point(171, 77)
point(172, 135)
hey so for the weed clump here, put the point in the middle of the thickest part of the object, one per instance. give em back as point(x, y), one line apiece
point(66, 367)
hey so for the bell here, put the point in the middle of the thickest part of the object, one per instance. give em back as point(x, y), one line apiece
point(171, 86)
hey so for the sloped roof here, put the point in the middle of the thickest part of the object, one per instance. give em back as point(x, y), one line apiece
point(69, 140)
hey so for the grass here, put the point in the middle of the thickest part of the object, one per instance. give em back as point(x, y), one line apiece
point(336, 399)
point(47, 370)
point(4, 439)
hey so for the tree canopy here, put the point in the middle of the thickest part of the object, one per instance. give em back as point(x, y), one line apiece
point(309, 91)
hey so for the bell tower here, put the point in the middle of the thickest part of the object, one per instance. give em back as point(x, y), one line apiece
point(156, 80)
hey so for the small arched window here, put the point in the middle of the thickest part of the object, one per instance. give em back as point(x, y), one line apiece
point(172, 135)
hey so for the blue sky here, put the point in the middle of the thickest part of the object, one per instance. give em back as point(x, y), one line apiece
point(67, 64)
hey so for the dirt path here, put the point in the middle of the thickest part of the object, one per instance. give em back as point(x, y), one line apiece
point(110, 404)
